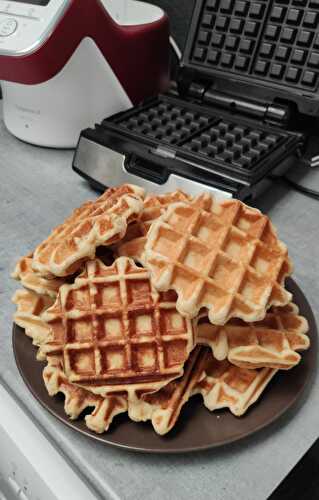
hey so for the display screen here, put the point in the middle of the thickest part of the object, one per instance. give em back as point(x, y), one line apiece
point(33, 2)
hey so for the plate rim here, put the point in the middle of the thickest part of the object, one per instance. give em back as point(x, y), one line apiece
point(102, 438)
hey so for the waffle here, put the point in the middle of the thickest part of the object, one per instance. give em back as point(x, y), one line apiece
point(33, 281)
point(102, 222)
point(116, 333)
point(134, 241)
point(163, 407)
point(78, 399)
point(270, 343)
point(29, 309)
point(30, 306)
point(227, 386)
point(221, 384)
point(221, 255)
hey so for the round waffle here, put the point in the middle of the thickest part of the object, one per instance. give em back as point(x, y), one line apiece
point(219, 255)
point(116, 334)
point(102, 222)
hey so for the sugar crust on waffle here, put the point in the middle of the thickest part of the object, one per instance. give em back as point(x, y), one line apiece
point(116, 333)
point(219, 255)
point(271, 342)
point(133, 243)
point(100, 222)
point(24, 273)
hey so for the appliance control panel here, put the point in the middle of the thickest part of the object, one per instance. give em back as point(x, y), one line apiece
point(24, 26)
point(31, 468)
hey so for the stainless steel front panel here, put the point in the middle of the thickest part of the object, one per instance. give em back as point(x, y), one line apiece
point(108, 168)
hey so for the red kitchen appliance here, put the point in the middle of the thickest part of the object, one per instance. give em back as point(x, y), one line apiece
point(66, 64)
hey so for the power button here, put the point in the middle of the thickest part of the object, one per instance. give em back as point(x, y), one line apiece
point(8, 27)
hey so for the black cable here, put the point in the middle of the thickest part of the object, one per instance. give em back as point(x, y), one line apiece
point(303, 189)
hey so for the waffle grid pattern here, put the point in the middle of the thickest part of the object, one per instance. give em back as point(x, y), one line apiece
point(289, 48)
point(134, 241)
point(117, 330)
point(228, 32)
point(77, 400)
point(163, 408)
point(223, 256)
point(101, 222)
point(228, 386)
point(167, 122)
point(270, 343)
point(234, 145)
point(276, 40)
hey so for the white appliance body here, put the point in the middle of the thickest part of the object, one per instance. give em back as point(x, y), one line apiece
point(31, 468)
point(85, 91)
point(53, 113)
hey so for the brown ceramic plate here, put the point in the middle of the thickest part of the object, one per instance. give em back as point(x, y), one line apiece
point(197, 428)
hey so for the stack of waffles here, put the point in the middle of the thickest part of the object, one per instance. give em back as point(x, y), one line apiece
point(137, 303)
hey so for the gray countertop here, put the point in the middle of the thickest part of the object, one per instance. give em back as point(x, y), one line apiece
point(38, 189)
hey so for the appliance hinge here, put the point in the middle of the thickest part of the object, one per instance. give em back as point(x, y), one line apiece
point(272, 114)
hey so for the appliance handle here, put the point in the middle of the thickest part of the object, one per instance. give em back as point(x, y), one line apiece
point(107, 168)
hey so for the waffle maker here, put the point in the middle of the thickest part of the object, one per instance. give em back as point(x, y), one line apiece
point(237, 119)
point(65, 64)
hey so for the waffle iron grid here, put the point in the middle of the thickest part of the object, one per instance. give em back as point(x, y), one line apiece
point(276, 41)
point(229, 142)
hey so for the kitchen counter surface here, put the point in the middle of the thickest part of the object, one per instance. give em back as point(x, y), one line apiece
point(38, 190)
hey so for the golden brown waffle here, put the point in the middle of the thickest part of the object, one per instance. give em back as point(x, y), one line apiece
point(33, 281)
point(134, 241)
point(102, 222)
point(221, 255)
point(116, 333)
point(270, 343)
point(30, 306)
point(227, 386)
point(163, 407)
point(221, 384)
point(78, 399)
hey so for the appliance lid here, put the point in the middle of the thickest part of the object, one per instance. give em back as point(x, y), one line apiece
point(265, 49)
